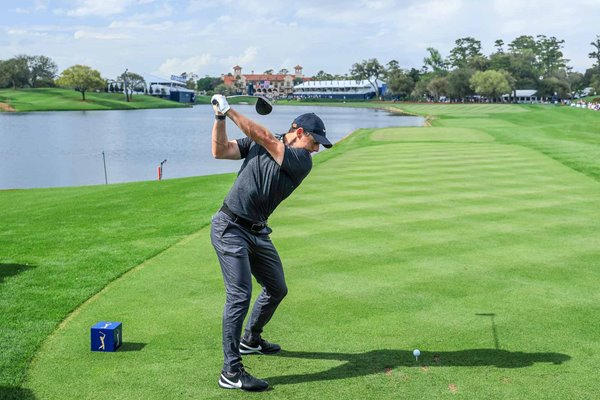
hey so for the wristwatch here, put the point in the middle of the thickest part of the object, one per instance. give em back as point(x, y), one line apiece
point(220, 117)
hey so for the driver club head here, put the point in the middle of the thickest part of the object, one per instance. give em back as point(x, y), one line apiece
point(263, 106)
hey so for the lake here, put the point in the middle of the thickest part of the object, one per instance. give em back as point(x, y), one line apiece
point(52, 149)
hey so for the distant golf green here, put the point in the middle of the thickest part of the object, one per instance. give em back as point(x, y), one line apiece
point(475, 240)
point(54, 99)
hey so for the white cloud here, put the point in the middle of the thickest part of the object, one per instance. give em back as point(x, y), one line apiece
point(16, 31)
point(99, 8)
point(82, 34)
point(164, 26)
point(199, 64)
point(39, 5)
point(177, 65)
point(246, 58)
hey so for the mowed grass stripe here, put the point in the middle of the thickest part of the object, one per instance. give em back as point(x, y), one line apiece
point(461, 109)
point(431, 134)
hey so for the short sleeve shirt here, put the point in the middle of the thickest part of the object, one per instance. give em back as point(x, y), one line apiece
point(261, 183)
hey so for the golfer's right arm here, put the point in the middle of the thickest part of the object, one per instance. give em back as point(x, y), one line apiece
point(259, 134)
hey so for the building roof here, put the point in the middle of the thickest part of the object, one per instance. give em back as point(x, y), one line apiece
point(351, 83)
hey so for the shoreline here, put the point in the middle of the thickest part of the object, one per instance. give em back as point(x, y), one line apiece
point(6, 107)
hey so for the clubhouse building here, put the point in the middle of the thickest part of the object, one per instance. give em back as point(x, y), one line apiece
point(269, 85)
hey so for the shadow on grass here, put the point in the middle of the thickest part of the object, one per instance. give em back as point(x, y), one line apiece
point(381, 361)
point(8, 270)
point(131, 346)
point(15, 393)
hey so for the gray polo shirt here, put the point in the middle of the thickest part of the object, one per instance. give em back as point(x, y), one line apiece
point(262, 183)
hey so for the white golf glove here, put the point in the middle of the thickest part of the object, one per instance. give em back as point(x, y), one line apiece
point(220, 104)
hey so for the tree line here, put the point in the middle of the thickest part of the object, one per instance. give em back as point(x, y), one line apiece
point(527, 62)
point(25, 71)
point(524, 63)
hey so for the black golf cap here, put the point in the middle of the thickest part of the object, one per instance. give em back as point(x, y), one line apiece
point(314, 125)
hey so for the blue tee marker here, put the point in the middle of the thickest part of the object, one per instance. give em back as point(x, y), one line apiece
point(106, 336)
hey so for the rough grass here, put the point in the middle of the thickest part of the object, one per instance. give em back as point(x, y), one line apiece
point(482, 254)
point(61, 246)
point(54, 99)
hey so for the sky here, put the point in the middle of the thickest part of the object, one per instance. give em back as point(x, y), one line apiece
point(204, 37)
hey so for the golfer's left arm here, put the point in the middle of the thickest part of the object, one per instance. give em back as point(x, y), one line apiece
point(259, 134)
point(222, 147)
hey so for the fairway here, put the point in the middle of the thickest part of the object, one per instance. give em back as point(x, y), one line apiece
point(482, 254)
point(55, 99)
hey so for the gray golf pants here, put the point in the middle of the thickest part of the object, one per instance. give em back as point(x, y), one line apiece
point(241, 255)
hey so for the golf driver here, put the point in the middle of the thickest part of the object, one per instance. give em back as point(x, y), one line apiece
point(263, 106)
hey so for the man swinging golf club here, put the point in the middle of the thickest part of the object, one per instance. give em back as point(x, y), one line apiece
point(273, 167)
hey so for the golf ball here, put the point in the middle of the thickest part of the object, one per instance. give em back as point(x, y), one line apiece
point(416, 352)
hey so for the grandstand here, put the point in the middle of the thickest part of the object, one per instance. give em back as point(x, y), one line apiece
point(340, 89)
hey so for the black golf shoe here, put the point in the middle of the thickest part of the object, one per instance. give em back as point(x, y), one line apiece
point(258, 346)
point(242, 380)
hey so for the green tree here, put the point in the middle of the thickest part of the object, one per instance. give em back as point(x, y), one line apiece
point(399, 82)
point(549, 54)
point(544, 53)
point(371, 70)
point(392, 67)
point(595, 55)
point(458, 83)
point(437, 87)
point(268, 72)
point(553, 85)
point(500, 60)
point(323, 76)
point(491, 83)
point(15, 72)
point(574, 81)
point(415, 74)
point(42, 71)
point(223, 89)
point(595, 83)
point(436, 62)
point(420, 91)
point(131, 83)
point(208, 83)
point(499, 45)
point(81, 78)
point(523, 43)
point(464, 52)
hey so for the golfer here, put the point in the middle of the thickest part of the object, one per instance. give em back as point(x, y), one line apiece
point(273, 167)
